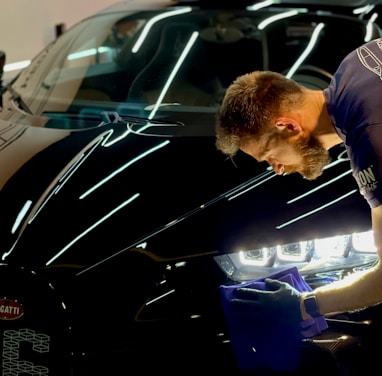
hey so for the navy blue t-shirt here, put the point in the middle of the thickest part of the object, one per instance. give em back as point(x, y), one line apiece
point(354, 102)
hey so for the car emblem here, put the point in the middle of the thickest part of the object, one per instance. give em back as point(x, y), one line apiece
point(10, 309)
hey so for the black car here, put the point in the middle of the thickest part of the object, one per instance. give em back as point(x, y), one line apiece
point(120, 221)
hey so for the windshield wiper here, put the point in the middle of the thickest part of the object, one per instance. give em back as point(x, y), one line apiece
point(115, 117)
point(17, 98)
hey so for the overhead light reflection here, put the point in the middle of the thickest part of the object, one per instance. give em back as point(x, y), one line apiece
point(151, 23)
point(262, 4)
point(76, 165)
point(171, 77)
point(174, 222)
point(363, 10)
point(16, 66)
point(109, 142)
point(307, 51)
point(61, 180)
point(370, 27)
point(142, 245)
point(342, 157)
point(160, 297)
point(262, 25)
point(122, 168)
point(319, 187)
point(21, 215)
point(88, 52)
point(261, 179)
point(322, 207)
point(90, 228)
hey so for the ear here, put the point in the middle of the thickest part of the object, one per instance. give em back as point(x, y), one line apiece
point(289, 124)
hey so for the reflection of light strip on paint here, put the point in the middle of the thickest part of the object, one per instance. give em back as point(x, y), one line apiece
point(263, 4)
point(316, 210)
point(171, 77)
point(75, 55)
point(58, 183)
point(77, 164)
point(16, 66)
point(370, 27)
point(319, 187)
point(307, 51)
point(103, 219)
point(21, 215)
point(151, 23)
point(160, 297)
point(363, 10)
point(252, 187)
point(110, 142)
point(137, 158)
point(170, 224)
point(262, 25)
point(88, 52)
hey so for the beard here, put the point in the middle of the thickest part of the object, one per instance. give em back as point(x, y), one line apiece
point(314, 157)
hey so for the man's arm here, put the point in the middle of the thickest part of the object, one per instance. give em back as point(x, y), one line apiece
point(356, 291)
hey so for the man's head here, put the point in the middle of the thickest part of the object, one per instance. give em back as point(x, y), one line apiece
point(262, 114)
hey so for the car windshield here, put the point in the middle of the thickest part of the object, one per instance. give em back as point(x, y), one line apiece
point(164, 63)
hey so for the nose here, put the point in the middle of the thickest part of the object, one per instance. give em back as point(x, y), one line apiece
point(278, 168)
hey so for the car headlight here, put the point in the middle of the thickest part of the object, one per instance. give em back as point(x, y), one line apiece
point(326, 255)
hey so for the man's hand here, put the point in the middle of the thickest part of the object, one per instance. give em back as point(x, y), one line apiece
point(279, 299)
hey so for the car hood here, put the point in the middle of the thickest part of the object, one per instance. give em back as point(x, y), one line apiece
point(83, 197)
point(108, 140)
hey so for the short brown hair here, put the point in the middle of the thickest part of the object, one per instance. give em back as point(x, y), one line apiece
point(249, 105)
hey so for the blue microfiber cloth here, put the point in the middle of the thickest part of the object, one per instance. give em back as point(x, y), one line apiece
point(260, 340)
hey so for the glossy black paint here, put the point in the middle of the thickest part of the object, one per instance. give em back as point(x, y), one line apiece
point(124, 213)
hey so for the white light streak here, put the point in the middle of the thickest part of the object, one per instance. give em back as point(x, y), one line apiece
point(370, 27)
point(160, 297)
point(307, 214)
point(16, 66)
point(122, 168)
point(21, 215)
point(171, 77)
point(307, 51)
point(262, 25)
point(252, 186)
point(90, 228)
point(88, 52)
point(363, 10)
point(151, 23)
point(262, 4)
point(319, 187)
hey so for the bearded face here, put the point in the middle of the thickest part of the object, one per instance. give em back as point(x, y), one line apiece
point(313, 157)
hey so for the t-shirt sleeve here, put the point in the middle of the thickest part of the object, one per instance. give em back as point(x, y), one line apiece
point(366, 160)
point(354, 103)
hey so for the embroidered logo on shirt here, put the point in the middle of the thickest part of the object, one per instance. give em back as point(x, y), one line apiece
point(370, 60)
point(379, 43)
point(366, 180)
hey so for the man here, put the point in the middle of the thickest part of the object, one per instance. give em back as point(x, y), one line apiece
point(291, 127)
